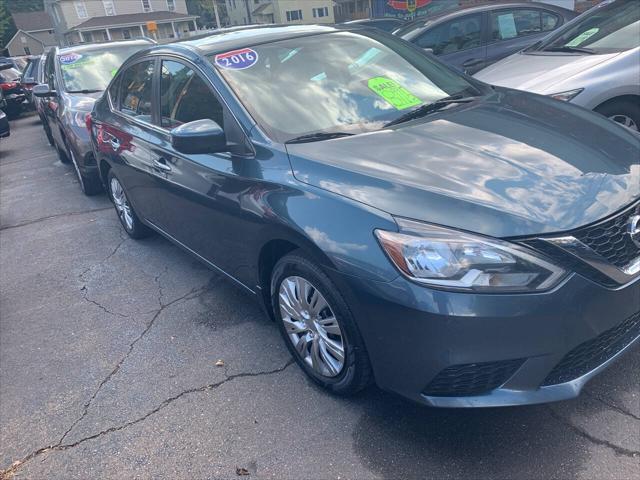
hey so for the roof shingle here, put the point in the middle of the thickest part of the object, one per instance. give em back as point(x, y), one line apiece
point(128, 18)
point(32, 21)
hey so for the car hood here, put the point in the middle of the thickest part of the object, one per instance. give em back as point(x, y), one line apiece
point(539, 72)
point(82, 102)
point(514, 164)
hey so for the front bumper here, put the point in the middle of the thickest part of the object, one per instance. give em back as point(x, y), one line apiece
point(451, 349)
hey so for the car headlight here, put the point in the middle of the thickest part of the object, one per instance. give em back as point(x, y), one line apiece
point(454, 260)
point(566, 96)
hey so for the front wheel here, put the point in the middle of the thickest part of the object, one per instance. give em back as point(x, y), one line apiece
point(128, 218)
point(626, 114)
point(318, 326)
point(90, 185)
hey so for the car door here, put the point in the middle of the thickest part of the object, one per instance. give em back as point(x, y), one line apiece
point(458, 42)
point(50, 104)
point(125, 138)
point(512, 29)
point(200, 195)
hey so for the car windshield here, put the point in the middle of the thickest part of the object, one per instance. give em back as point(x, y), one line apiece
point(92, 70)
point(344, 81)
point(611, 28)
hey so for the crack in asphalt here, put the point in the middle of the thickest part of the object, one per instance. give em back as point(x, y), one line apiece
point(49, 217)
point(611, 405)
point(8, 473)
point(618, 450)
point(193, 293)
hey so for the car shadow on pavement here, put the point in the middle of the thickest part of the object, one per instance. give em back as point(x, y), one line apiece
point(398, 439)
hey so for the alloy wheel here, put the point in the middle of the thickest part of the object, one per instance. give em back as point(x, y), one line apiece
point(625, 121)
point(121, 203)
point(311, 326)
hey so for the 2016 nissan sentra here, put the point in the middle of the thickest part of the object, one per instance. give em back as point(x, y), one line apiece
point(459, 244)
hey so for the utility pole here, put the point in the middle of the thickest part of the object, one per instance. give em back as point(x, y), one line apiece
point(215, 11)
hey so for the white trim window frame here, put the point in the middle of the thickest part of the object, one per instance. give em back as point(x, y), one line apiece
point(293, 18)
point(171, 5)
point(146, 6)
point(81, 9)
point(109, 8)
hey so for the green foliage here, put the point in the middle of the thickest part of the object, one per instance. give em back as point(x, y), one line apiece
point(204, 8)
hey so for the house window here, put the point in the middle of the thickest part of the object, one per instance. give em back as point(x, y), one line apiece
point(105, 36)
point(146, 5)
point(27, 51)
point(320, 12)
point(109, 7)
point(81, 9)
point(171, 5)
point(293, 15)
point(126, 34)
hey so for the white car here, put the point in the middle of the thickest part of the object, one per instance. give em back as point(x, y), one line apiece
point(593, 61)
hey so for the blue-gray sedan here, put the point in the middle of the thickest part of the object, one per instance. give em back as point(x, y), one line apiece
point(459, 244)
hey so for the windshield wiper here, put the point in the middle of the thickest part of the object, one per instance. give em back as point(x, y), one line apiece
point(428, 108)
point(318, 136)
point(85, 91)
point(566, 48)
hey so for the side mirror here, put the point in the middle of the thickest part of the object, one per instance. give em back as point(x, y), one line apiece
point(42, 90)
point(199, 136)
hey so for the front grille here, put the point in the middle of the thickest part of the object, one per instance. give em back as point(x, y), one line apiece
point(593, 353)
point(471, 378)
point(611, 240)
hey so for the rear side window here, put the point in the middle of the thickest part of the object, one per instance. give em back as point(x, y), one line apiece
point(453, 36)
point(135, 91)
point(186, 97)
point(508, 24)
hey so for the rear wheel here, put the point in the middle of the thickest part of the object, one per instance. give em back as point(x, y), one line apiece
point(318, 326)
point(90, 184)
point(128, 218)
point(623, 112)
point(63, 153)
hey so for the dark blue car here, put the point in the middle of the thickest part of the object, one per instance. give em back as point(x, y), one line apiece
point(473, 38)
point(459, 244)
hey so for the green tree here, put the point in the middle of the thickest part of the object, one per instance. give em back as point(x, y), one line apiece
point(204, 8)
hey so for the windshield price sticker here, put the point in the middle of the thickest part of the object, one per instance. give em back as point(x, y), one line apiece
point(583, 37)
point(393, 93)
point(237, 59)
point(69, 58)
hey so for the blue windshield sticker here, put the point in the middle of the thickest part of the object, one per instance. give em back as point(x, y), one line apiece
point(237, 59)
point(69, 58)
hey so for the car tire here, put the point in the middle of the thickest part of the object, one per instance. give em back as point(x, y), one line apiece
point(622, 112)
point(355, 371)
point(47, 132)
point(63, 153)
point(126, 214)
point(89, 184)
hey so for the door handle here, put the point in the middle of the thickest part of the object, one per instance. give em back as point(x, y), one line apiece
point(472, 62)
point(161, 164)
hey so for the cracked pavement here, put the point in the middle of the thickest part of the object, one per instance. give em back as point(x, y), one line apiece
point(108, 349)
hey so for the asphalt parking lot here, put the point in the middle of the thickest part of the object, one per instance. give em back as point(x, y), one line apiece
point(108, 352)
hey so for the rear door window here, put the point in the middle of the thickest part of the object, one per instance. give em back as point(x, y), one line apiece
point(453, 36)
point(135, 93)
point(509, 24)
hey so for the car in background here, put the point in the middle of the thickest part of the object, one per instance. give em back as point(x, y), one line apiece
point(16, 62)
point(463, 245)
point(387, 24)
point(13, 92)
point(593, 62)
point(29, 77)
point(5, 129)
point(74, 78)
point(472, 38)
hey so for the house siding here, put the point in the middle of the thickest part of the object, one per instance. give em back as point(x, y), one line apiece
point(17, 48)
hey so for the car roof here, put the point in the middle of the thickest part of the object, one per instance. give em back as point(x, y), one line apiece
point(450, 14)
point(87, 47)
point(226, 39)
